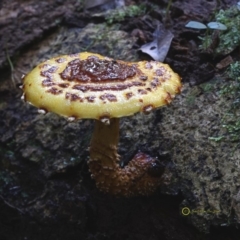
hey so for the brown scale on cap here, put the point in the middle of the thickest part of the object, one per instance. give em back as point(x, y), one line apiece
point(155, 83)
point(142, 91)
point(148, 109)
point(129, 95)
point(73, 97)
point(63, 85)
point(116, 87)
point(109, 97)
point(48, 82)
point(168, 98)
point(90, 98)
point(88, 85)
point(54, 91)
point(143, 78)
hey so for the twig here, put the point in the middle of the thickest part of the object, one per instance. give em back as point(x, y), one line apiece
point(11, 67)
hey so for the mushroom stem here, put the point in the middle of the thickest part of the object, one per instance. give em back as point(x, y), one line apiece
point(103, 146)
point(134, 179)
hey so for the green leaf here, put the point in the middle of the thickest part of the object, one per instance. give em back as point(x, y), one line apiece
point(196, 25)
point(217, 25)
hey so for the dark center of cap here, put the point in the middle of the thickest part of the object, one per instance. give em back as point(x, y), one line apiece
point(94, 69)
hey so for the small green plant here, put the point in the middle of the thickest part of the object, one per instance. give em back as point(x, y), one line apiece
point(167, 15)
point(229, 39)
point(207, 39)
point(120, 14)
point(11, 67)
point(210, 25)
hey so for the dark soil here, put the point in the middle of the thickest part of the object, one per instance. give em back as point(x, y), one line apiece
point(45, 201)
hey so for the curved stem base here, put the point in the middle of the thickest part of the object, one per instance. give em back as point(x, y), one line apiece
point(133, 179)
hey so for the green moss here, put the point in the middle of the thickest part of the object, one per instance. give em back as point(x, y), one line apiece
point(232, 87)
point(230, 38)
point(120, 14)
point(231, 90)
point(207, 87)
point(192, 95)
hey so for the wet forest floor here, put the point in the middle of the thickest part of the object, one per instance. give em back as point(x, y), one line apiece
point(42, 198)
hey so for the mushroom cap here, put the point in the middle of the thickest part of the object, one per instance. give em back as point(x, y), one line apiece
point(88, 85)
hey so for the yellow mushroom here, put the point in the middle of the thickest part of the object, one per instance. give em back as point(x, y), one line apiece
point(88, 85)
